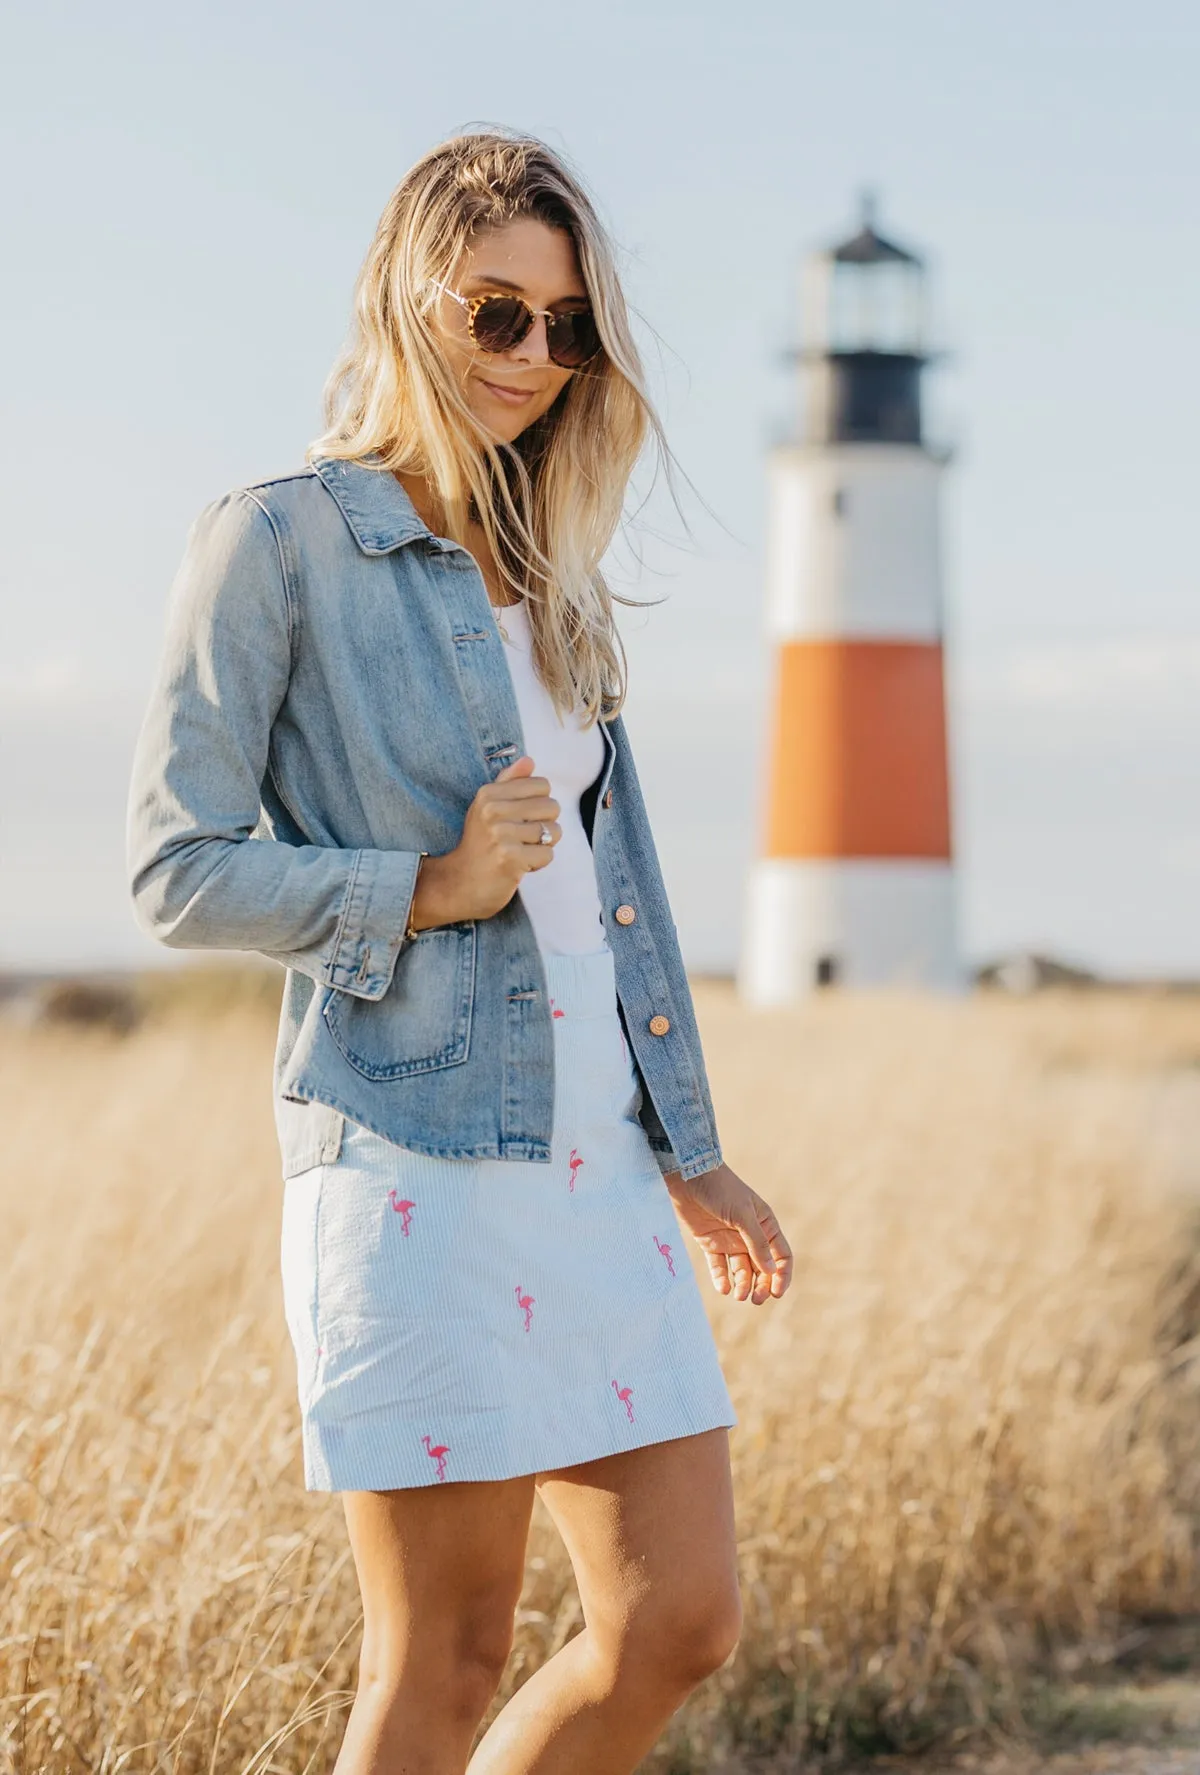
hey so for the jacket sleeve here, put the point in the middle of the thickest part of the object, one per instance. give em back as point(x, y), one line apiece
point(198, 876)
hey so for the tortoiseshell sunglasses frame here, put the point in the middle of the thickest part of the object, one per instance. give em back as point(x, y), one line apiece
point(472, 304)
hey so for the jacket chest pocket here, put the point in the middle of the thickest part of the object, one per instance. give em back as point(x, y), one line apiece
point(423, 1020)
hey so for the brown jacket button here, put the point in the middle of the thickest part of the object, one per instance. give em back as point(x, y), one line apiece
point(625, 915)
point(608, 798)
point(659, 1025)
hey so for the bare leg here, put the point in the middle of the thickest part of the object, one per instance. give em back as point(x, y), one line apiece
point(440, 1568)
point(651, 1536)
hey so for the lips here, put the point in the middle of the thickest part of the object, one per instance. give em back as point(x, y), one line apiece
point(513, 397)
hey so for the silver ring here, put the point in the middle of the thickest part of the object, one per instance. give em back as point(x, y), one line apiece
point(545, 838)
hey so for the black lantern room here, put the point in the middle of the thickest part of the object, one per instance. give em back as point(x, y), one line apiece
point(864, 323)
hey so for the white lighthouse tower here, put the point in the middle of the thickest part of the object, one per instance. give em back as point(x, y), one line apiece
point(854, 881)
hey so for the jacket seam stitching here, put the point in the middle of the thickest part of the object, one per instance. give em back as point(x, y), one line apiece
point(296, 474)
point(481, 1150)
point(289, 600)
point(267, 513)
point(342, 921)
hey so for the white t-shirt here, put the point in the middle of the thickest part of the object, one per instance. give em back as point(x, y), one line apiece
point(560, 898)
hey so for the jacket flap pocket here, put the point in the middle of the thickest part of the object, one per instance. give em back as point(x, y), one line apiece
point(423, 1020)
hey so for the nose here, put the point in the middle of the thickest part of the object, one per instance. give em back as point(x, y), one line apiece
point(534, 348)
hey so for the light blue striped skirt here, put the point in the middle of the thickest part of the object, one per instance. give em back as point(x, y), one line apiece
point(482, 1318)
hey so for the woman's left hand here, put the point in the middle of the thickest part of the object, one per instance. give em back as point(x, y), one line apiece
point(737, 1231)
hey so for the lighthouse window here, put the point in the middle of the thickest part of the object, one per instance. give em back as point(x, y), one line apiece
point(839, 502)
point(826, 970)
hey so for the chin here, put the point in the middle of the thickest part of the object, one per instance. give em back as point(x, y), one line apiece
point(505, 426)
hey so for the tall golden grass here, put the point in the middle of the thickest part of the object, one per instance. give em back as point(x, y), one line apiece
point(968, 1436)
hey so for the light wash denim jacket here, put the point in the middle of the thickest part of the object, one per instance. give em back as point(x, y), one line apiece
point(331, 693)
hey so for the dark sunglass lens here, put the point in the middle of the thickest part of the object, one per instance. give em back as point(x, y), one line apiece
point(500, 323)
point(572, 338)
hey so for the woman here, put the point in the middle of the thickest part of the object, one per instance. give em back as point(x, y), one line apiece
point(489, 1089)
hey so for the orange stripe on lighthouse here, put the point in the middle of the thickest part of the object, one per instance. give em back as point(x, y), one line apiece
point(858, 763)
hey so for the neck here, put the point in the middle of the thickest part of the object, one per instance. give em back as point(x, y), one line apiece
point(427, 508)
point(425, 502)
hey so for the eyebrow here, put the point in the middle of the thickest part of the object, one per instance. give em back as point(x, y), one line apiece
point(506, 283)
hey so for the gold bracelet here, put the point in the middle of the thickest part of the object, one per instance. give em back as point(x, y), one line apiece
point(409, 933)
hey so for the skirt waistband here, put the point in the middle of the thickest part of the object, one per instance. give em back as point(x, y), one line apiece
point(582, 985)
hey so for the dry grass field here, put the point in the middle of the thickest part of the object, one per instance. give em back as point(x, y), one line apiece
point(968, 1446)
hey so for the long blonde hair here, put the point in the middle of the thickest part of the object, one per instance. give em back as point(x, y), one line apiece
point(550, 502)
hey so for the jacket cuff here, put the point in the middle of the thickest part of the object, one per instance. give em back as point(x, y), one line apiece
point(668, 1162)
point(375, 915)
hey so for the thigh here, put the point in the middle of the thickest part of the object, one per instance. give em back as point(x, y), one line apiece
point(440, 1568)
point(652, 1539)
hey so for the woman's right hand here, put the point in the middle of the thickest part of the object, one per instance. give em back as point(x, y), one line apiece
point(500, 843)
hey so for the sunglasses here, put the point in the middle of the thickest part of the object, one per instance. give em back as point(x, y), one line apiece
point(497, 323)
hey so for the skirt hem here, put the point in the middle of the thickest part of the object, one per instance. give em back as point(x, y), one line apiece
point(350, 1455)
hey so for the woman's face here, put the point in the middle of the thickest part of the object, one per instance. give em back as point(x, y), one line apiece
point(532, 260)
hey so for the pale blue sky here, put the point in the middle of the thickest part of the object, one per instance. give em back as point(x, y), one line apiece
point(188, 197)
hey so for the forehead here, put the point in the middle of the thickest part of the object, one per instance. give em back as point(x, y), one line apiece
point(527, 256)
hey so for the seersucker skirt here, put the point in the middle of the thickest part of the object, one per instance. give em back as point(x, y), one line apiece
point(481, 1318)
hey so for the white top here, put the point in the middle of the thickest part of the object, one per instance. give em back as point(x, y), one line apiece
point(561, 897)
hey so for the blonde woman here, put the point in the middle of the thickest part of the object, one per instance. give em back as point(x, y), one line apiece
point(385, 747)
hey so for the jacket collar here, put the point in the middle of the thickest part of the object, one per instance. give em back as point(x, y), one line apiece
point(379, 512)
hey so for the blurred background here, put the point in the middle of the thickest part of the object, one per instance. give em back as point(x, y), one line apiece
point(190, 194)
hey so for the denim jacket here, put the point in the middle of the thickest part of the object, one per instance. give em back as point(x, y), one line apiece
point(331, 693)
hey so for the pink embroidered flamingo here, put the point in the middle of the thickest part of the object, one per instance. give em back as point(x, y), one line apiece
point(575, 1162)
point(623, 1394)
point(554, 1010)
point(666, 1251)
point(437, 1453)
point(525, 1302)
point(402, 1207)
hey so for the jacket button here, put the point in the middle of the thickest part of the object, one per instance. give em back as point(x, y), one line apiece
point(659, 1025)
point(608, 798)
point(625, 915)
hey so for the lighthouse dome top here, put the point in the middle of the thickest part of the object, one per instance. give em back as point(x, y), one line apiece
point(866, 294)
point(868, 247)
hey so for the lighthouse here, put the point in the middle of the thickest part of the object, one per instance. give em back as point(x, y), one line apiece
point(853, 883)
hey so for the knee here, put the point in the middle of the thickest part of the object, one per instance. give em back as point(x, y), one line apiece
point(482, 1647)
point(679, 1638)
point(456, 1665)
point(705, 1636)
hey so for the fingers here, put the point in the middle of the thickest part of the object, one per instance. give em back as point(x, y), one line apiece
point(534, 807)
point(529, 831)
point(718, 1265)
point(782, 1253)
point(533, 854)
point(515, 783)
point(749, 1282)
point(743, 1274)
point(764, 1269)
point(515, 808)
point(756, 1234)
point(520, 829)
point(518, 778)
